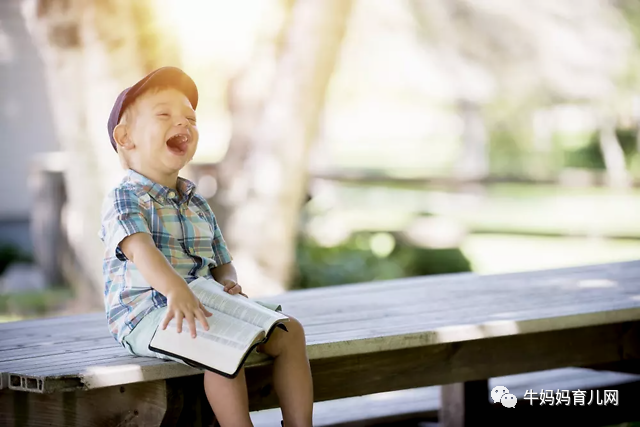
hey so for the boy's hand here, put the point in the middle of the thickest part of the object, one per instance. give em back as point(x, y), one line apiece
point(183, 304)
point(232, 287)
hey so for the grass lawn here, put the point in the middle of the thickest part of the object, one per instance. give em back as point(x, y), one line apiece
point(503, 207)
point(494, 254)
point(9, 318)
point(33, 304)
point(493, 219)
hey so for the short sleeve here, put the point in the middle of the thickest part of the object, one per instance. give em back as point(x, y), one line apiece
point(122, 216)
point(221, 253)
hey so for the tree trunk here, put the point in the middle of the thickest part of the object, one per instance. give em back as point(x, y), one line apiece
point(617, 174)
point(91, 51)
point(263, 179)
point(474, 160)
point(247, 93)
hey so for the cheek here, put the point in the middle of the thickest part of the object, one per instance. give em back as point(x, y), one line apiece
point(195, 136)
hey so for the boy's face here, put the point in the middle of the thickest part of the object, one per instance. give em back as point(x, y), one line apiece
point(162, 135)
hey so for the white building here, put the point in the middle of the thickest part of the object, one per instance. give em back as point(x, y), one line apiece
point(26, 126)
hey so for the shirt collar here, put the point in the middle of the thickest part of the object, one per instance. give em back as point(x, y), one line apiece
point(159, 192)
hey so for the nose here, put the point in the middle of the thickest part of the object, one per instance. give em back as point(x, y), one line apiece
point(182, 121)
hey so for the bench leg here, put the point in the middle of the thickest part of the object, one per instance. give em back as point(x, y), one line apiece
point(464, 404)
point(162, 403)
point(187, 404)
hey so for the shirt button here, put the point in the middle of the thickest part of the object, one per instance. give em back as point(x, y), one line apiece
point(171, 194)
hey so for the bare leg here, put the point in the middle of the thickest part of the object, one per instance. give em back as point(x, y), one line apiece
point(228, 399)
point(291, 374)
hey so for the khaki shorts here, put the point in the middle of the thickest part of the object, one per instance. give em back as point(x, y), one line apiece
point(137, 342)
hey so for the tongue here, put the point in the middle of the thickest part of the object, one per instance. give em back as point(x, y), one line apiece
point(177, 145)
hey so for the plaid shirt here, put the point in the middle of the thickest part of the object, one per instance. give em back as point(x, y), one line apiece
point(182, 226)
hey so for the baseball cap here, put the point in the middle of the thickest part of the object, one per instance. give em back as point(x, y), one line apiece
point(165, 76)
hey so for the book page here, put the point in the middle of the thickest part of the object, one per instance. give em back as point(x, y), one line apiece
point(222, 347)
point(212, 294)
point(228, 331)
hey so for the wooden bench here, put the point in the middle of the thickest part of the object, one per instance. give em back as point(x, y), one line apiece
point(408, 407)
point(454, 330)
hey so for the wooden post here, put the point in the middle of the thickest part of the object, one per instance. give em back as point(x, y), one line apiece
point(187, 404)
point(464, 404)
point(173, 402)
point(49, 196)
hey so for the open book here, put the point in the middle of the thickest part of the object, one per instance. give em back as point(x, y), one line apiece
point(238, 325)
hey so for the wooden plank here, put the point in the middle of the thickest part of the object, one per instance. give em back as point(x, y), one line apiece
point(445, 280)
point(594, 415)
point(626, 366)
point(48, 321)
point(450, 363)
point(67, 364)
point(318, 295)
point(463, 404)
point(149, 404)
point(480, 295)
point(435, 292)
point(393, 337)
point(311, 331)
point(30, 367)
point(429, 321)
point(423, 403)
point(34, 340)
point(390, 330)
point(107, 372)
point(57, 349)
point(355, 288)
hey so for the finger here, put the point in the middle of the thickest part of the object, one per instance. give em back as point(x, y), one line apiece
point(228, 285)
point(205, 311)
point(179, 317)
point(192, 324)
point(237, 289)
point(202, 319)
point(167, 319)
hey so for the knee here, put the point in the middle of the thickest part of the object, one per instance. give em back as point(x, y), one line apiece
point(295, 329)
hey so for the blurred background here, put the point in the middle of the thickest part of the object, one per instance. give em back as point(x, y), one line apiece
point(342, 141)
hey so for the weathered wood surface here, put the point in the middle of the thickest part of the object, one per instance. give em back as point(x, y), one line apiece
point(441, 319)
point(463, 404)
point(448, 363)
point(174, 402)
point(423, 403)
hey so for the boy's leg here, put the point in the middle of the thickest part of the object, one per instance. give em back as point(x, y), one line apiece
point(291, 373)
point(228, 399)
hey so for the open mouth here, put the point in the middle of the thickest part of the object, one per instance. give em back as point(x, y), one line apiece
point(178, 144)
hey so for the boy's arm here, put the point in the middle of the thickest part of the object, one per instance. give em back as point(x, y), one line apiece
point(140, 249)
point(226, 275)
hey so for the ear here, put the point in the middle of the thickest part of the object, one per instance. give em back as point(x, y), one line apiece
point(122, 138)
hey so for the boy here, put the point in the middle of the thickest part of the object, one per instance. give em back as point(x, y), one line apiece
point(160, 235)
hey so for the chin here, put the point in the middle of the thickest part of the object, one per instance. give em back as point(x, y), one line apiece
point(175, 165)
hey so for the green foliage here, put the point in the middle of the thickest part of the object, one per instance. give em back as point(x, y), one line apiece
point(590, 155)
point(10, 254)
point(34, 303)
point(353, 262)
